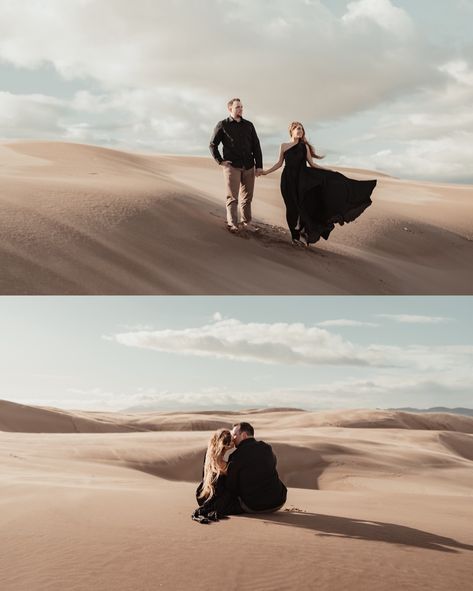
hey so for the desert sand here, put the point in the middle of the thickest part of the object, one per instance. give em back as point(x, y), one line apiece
point(102, 500)
point(81, 219)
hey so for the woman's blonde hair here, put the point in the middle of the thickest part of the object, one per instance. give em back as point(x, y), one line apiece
point(214, 464)
point(293, 125)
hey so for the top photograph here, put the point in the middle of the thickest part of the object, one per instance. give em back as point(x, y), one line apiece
point(310, 147)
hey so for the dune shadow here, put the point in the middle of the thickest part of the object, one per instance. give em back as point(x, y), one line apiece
point(362, 529)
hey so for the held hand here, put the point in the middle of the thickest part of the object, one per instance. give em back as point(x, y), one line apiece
point(259, 172)
point(226, 163)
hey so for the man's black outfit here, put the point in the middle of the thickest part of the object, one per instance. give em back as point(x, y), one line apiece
point(241, 145)
point(252, 476)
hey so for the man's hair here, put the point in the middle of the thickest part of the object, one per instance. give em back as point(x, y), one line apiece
point(231, 101)
point(245, 428)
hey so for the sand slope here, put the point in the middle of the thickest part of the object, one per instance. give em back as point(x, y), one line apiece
point(371, 505)
point(88, 220)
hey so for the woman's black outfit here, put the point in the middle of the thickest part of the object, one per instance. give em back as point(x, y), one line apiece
point(316, 199)
point(220, 504)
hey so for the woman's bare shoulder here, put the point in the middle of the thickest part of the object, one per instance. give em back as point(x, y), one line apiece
point(286, 146)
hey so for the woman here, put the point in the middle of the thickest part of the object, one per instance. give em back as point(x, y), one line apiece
point(316, 198)
point(210, 493)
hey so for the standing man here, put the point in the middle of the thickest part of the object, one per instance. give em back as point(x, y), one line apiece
point(241, 154)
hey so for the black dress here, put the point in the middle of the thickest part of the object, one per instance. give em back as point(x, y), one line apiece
point(223, 502)
point(316, 199)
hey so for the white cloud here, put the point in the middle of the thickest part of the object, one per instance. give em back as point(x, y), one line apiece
point(346, 322)
point(151, 46)
point(415, 318)
point(166, 69)
point(391, 18)
point(30, 115)
point(425, 134)
point(264, 343)
point(378, 390)
point(459, 71)
point(292, 344)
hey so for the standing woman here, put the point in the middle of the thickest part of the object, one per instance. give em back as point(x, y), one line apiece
point(316, 198)
point(210, 493)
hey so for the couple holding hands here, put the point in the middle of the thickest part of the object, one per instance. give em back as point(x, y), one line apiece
point(316, 198)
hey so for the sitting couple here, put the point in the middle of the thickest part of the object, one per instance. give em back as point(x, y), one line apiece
point(247, 483)
point(315, 198)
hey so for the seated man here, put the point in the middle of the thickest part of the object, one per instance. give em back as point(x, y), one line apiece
point(252, 479)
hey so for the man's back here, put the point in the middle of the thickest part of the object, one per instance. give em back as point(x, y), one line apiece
point(253, 477)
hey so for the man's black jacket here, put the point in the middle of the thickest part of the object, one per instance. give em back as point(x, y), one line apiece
point(240, 143)
point(253, 477)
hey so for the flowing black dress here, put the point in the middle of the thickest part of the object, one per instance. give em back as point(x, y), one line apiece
point(316, 199)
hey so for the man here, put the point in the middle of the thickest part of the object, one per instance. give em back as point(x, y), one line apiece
point(241, 153)
point(252, 478)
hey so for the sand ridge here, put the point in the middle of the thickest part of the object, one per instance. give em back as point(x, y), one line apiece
point(80, 219)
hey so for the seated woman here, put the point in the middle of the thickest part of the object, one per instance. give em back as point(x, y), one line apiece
point(211, 495)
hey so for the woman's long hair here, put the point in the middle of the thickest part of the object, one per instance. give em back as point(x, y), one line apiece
point(293, 125)
point(214, 464)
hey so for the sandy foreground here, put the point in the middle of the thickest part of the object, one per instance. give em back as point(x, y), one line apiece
point(79, 219)
point(377, 500)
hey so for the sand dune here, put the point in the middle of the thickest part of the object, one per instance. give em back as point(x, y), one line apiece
point(377, 500)
point(38, 419)
point(84, 219)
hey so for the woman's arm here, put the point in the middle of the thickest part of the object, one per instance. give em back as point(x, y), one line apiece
point(312, 164)
point(278, 163)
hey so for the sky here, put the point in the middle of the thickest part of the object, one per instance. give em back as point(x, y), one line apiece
point(195, 353)
point(379, 84)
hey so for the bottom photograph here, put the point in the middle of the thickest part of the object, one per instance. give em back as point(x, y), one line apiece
point(269, 443)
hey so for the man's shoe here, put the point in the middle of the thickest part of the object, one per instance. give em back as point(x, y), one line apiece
point(250, 227)
point(232, 228)
point(298, 243)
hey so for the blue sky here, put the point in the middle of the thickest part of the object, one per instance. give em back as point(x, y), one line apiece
point(184, 353)
point(384, 84)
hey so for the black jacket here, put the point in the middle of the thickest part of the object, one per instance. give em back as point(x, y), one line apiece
point(240, 143)
point(253, 477)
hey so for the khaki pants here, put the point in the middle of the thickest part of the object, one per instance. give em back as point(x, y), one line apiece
point(234, 179)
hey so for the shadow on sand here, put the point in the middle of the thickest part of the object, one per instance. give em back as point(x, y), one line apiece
point(360, 529)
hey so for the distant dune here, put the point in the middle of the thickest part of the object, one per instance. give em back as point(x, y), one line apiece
point(79, 219)
point(437, 409)
point(36, 419)
point(377, 500)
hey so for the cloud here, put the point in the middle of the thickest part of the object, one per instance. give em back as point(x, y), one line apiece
point(382, 12)
point(142, 119)
point(346, 322)
point(163, 72)
point(33, 115)
point(138, 50)
point(415, 319)
point(379, 390)
point(426, 133)
point(292, 344)
point(257, 342)
point(136, 326)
